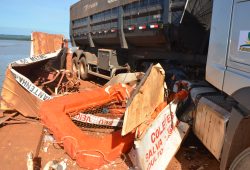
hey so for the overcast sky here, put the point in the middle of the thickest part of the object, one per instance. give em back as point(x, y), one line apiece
point(25, 16)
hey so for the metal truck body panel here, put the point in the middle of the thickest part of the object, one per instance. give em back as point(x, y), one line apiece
point(102, 20)
point(144, 24)
point(238, 62)
point(235, 80)
point(89, 7)
point(218, 43)
point(228, 66)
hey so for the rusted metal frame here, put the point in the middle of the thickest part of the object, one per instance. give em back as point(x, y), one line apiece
point(50, 81)
point(60, 81)
point(99, 75)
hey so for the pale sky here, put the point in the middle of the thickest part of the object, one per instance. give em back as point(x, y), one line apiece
point(25, 16)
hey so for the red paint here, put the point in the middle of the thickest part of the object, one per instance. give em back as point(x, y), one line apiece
point(87, 149)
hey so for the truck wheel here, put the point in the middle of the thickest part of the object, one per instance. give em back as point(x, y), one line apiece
point(74, 68)
point(83, 68)
point(242, 161)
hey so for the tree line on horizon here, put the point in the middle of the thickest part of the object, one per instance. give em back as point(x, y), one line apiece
point(15, 37)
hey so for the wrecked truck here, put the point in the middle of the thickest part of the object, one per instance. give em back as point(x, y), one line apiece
point(203, 46)
point(95, 124)
point(207, 78)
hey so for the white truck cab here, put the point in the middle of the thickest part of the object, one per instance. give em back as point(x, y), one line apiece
point(228, 69)
point(228, 62)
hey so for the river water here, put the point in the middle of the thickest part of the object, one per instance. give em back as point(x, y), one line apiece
point(12, 50)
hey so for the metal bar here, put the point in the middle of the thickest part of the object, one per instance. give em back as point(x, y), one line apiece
point(50, 81)
point(91, 42)
point(5, 118)
point(122, 38)
point(137, 90)
point(15, 122)
point(184, 11)
point(99, 75)
point(166, 12)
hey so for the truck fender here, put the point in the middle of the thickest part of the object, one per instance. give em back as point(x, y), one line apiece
point(75, 62)
point(237, 136)
point(242, 97)
point(90, 58)
point(79, 54)
point(242, 161)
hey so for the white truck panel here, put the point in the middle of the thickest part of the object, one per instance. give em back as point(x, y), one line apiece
point(218, 44)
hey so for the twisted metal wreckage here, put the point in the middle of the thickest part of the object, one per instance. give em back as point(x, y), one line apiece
point(94, 124)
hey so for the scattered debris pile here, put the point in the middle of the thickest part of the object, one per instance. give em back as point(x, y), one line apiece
point(83, 144)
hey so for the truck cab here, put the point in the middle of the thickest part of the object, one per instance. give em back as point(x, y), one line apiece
point(228, 69)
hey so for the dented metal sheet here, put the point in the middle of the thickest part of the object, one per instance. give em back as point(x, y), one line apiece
point(14, 97)
point(44, 43)
point(31, 60)
point(160, 142)
point(18, 91)
point(147, 96)
point(21, 94)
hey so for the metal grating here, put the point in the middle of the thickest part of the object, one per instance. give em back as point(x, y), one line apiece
point(104, 112)
point(97, 128)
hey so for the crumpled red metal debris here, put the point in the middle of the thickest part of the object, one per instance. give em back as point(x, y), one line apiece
point(89, 151)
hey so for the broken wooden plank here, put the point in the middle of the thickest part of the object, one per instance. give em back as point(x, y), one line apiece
point(147, 96)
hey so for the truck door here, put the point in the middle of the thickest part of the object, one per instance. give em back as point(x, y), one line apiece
point(238, 61)
point(239, 51)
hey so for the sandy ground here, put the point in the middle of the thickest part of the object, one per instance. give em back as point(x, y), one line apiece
point(193, 156)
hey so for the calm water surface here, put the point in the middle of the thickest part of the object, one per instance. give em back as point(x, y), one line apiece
point(12, 50)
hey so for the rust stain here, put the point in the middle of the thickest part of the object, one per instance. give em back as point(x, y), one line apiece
point(18, 98)
point(44, 43)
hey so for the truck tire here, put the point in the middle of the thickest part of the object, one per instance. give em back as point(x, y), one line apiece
point(83, 68)
point(75, 67)
point(242, 161)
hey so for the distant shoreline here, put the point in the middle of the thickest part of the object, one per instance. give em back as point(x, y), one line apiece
point(15, 37)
